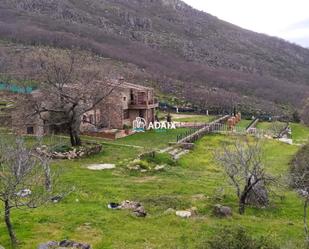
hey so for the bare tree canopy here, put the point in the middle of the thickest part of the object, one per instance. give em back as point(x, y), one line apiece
point(243, 164)
point(23, 179)
point(72, 84)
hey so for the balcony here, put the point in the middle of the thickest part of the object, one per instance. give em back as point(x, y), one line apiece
point(140, 104)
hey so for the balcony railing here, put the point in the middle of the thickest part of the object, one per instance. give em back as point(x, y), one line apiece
point(138, 103)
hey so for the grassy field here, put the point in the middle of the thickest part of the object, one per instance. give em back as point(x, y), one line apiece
point(244, 123)
point(152, 139)
point(300, 133)
point(192, 118)
point(84, 216)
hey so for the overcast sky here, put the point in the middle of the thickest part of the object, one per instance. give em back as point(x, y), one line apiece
point(288, 19)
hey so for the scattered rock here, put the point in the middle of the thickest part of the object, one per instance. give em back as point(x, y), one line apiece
point(24, 193)
point(73, 244)
point(286, 140)
point(87, 149)
point(258, 196)
point(56, 198)
point(144, 170)
point(193, 211)
point(170, 211)
point(222, 211)
point(184, 214)
point(136, 167)
point(188, 146)
point(136, 207)
point(101, 166)
point(159, 167)
point(130, 205)
point(48, 245)
point(140, 212)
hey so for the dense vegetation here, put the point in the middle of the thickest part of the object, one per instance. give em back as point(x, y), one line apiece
point(178, 49)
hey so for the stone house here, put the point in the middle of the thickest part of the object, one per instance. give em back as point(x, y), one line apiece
point(126, 102)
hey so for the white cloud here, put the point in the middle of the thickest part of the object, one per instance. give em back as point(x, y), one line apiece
point(273, 17)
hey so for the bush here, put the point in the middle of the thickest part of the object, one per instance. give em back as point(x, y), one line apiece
point(300, 165)
point(237, 238)
point(62, 148)
point(158, 158)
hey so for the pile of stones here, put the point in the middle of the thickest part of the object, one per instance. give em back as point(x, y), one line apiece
point(83, 151)
point(136, 207)
point(64, 244)
point(144, 166)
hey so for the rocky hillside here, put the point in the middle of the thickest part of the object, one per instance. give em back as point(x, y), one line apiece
point(186, 52)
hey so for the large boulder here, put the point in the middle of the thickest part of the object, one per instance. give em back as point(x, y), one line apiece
point(140, 212)
point(258, 196)
point(184, 214)
point(222, 211)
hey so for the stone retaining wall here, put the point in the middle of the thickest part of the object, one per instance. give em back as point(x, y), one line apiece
point(203, 131)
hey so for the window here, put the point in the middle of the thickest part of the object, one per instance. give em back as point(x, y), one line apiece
point(30, 130)
point(124, 98)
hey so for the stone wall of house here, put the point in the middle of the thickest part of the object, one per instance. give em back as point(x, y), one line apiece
point(112, 112)
point(6, 120)
point(25, 123)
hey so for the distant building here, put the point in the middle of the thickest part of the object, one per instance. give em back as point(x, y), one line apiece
point(118, 111)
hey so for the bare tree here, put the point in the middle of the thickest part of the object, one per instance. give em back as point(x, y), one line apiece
point(242, 162)
point(299, 174)
point(277, 128)
point(22, 180)
point(72, 86)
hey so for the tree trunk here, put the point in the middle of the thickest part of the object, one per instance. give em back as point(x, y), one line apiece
point(7, 218)
point(78, 141)
point(242, 201)
point(75, 132)
point(48, 182)
point(242, 205)
point(72, 138)
point(75, 137)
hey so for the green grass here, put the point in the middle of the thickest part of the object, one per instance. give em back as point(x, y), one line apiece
point(244, 123)
point(300, 133)
point(152, 139)
point(176, 187)
point(196, 119)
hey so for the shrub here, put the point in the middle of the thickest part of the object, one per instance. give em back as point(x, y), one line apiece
point(158, 158)
point(237, 238)
point(62, 148)
point(300, 165)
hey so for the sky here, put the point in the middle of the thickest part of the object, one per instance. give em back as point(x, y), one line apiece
point(288, 19)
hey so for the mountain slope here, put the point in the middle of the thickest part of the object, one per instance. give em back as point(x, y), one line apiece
point(187, 52)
